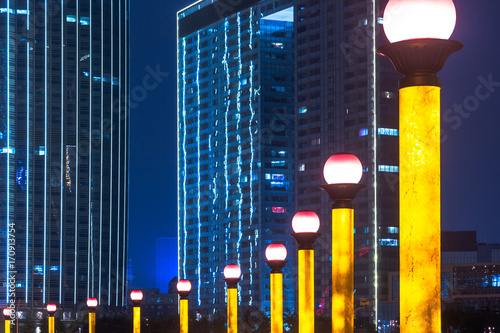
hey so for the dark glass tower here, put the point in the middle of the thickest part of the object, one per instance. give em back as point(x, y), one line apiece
point(64, 152)
point(344, 98)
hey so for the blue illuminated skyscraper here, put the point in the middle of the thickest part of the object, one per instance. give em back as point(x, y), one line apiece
point(63, 153)
point(236, 143)
point(267, 92)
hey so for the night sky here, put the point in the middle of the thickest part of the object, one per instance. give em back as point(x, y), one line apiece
point(470, 124)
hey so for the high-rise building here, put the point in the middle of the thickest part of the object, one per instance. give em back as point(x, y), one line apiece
point(64, 132)
point(166, 262)
point(334, 93)
point(236, 142)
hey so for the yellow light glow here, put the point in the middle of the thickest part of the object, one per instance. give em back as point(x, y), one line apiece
point(51, 324)
point(232, 310)
point(137, 319)
point(306, 291)
point(91, 322)
point(276, 303)
point(342, 270)
point(184, 315)
point(420, 198)
point(7, 326)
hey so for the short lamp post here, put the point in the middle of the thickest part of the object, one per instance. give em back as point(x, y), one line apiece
point(136, 298)
point(276, 255)
point(418, 31)
point(342, 172)
point(51, 310)
point(232, 275)
point(184, 289)
point(92, 305)
point(6, 314)
point(305, 225)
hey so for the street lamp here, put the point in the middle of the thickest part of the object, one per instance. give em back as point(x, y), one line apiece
point(136, 298)
point(232, 275)
point(342, 172)
point(305, 225)
point(51, 310)
point(276, 255)
point(419, 49)
point(184, 288)
point(6, 314)
point(92, 305)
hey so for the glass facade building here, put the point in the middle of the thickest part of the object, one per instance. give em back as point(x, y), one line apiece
point(334, 95)
point(236, 142)
point(64, 131)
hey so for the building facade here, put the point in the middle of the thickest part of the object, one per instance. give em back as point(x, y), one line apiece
point(260, 111)
point(64, 153)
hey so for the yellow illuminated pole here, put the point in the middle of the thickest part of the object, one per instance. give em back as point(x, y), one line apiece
point(305, 225)
point(276, 255)
point(184, 289)
point(342, 172)
point(232, 275)
point(92, 305)
point(419, 60)
point(7, 316)
point(51, 310)
point(136, 298)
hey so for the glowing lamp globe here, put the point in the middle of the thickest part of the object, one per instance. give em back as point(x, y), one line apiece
point(305, 221)
point(92, 303)
point(416, 19)
point(136, 295)
point(51, 308)
point(6, 313)
point(232, 272)
point(343, 168)
point(184, 286)
point(276, 252)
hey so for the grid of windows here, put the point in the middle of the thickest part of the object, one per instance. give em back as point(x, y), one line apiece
point(64, 161)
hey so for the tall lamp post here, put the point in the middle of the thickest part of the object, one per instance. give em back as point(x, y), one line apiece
point(184, 288)
point(276, 255)
point(232, 275)
point(92, 305)
point(418, 31)
point(136, 298)
point(342, 172)
point(305, 225)
point(51, 310)
point(6, 314)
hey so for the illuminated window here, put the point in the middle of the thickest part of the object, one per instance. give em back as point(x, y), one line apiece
point(40, 151)
point(39, 269)
point(279, 210)
point(388, 242)
point(388, 168)
point(363, 132)
point(277, 45)
point(303, 109)
point(302, 167)
point(392, 230)
point(278, 163)
point(22, 11)
point(84, 21)
point(71, 18)
point(388, 131)
point(495, 280)
point(380, 20)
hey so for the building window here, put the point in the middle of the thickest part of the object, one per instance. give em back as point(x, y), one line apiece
point(388, 168)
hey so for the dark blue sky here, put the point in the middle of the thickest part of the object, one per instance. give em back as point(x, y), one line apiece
point(470, 153)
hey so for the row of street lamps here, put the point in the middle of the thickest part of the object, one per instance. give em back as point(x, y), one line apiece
point(343, 172)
